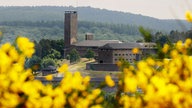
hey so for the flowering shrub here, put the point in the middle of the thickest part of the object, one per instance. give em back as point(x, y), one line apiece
point(164, 83)
point(19, 89)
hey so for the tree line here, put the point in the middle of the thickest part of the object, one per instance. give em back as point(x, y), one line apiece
point(48, 52)
point(49, 29)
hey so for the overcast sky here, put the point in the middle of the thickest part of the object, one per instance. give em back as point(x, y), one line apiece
point(162, 9)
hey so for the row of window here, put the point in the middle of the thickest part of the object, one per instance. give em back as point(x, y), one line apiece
point(125, 59)
point(124, 54)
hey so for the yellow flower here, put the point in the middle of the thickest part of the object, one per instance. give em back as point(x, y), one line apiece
point(96, 92)
point(179, 45)
point(150, 61)
point(1, 33)
point(5, 47)
point(26, 47)
point(96, 106)
point(49, 77)
point(5, 62)
point(109, 81)
point(188, 16)
point(187, 42)
point(119, 63)
point(86, 80)
point(165, 48)
point(135, 50)
point(174, 53)
point(142, 80)
point(13, 54)
point(99, 100)
point(63, 68)
point(9, 100)
point(130, 84)
point(46, 102)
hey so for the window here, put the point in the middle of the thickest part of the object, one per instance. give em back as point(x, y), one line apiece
point(101, 61)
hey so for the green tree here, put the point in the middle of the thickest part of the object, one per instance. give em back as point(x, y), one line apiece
point(58, 45)
point(34, 63)
point(45, 47)
point(89, 54)
point(54, 54)
point(74, 55)
point(146, 34)
point(48, 62)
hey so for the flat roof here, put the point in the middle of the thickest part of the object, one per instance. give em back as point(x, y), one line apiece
point(128, 45)
point(96, 43)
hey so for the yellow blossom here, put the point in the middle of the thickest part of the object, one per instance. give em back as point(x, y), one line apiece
point(187, 43)
point(188, 16)
point(97, 106)
point(174, 53)
point(150, 61)
point(119, 63)
point(86, 80)
point(1, 33)
point(135, 50)
point(25, 46)
point(5, 61)
point(179, 45)
point(165, 48)
point(49, 77)
point(96, 92)
point(46, 102)
point(5, 47)
point(130, 84)
point(63, 68)
point(109, 81)
point(99, 100)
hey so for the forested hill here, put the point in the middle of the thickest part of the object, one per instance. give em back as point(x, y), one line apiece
point(53, 13)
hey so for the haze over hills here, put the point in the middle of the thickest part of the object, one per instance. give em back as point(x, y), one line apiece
point(54, 13)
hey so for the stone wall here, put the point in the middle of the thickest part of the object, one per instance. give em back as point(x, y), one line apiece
point(102, 67)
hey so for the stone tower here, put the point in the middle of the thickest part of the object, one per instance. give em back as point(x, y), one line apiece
point(70, 28)
point(70, 32)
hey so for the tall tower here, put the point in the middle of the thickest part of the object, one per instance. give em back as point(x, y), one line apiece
point(70, 35)
point(70, 32)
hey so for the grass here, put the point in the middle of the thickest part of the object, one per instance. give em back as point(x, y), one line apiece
point(81, 67)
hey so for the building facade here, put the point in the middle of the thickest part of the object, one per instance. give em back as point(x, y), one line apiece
point(113, 52)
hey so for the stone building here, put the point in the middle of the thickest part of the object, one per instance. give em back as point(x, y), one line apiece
point(94, 45)
point(113, 52)
point(107, 52)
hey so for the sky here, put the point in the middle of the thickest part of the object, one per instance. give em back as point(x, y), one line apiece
point(162, 9)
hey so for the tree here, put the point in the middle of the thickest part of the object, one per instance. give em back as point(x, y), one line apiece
point(74, 55)
point(58, 45)
point(45, 47)
point(146, 34)
point(48, 62)
point(34, 63)
point(54, 54)
point(162, 40)
point(89, 54)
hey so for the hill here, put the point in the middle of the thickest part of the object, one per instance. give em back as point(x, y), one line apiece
point(54, 13)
